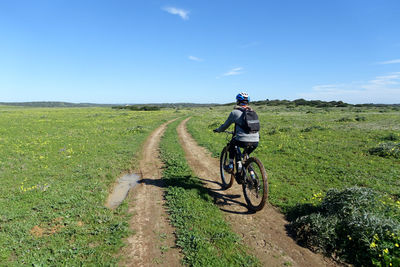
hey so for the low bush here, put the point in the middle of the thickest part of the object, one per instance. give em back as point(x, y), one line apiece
point(279, 130)
point(357, 224)
point(360, 118)
point(392, 137)
point(386, 150)
point(138, 108)
point(344, 119)
point(311, 128)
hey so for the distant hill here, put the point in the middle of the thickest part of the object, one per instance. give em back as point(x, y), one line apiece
point(316, 103)
point(68, 104)
point(267, 102)
point(53, 104)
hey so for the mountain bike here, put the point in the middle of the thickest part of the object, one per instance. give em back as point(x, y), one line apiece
point(247, 171)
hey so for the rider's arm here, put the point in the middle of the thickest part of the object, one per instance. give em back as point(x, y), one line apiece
point(228, 122)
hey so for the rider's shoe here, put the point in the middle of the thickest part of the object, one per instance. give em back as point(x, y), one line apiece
point(229, 168)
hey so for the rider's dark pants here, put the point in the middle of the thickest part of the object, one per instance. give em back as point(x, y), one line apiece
point(248, 147)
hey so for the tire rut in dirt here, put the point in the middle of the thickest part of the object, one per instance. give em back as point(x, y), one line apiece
point(153, 241)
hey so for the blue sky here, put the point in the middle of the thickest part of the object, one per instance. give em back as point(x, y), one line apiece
point(199, 51)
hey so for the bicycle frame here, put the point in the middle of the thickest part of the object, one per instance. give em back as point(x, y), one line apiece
point(239, 156)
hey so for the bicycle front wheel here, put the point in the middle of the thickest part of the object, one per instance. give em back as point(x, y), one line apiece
point(226, 177)
point(255, 185)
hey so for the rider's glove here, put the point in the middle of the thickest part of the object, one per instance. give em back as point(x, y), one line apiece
point(215, 130)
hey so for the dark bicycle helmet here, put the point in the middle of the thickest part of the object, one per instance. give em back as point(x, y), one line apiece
point(242, 99)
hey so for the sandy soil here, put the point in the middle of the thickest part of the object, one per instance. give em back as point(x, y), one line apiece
point(153, 241)
point(264, 232)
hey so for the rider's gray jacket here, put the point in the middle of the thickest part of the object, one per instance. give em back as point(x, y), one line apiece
point(237, 118)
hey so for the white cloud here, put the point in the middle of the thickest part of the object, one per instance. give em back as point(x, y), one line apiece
point(234, 71)
point(195, 58)
point(184, 14)
point(381, 89)
point(252, 44)
point(394, 61)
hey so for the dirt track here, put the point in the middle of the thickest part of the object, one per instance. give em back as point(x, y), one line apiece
point(153, 241)
point(264, 232)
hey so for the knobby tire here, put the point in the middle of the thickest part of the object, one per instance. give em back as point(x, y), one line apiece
point(255, 197)
point(227, 178)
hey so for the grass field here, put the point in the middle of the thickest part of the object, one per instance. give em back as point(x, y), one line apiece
point(307, 150)
point(57, 167)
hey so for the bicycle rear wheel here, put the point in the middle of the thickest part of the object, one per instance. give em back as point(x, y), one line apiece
point(255, 185)
point(226, 177)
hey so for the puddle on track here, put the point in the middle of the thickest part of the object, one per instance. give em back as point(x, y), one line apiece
point(121, 190)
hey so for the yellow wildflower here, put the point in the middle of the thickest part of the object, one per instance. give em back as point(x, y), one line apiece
point(397, 245)
point(372, 245)
point(386, 251)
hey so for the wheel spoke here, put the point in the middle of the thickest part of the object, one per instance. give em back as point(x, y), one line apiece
point(255, 189)
point(226, 177)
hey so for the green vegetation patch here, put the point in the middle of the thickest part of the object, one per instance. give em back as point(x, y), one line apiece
point(392, 137)
point(306, 152)
point(57, 166)
point(388, 149)
point(358, 224)
point(138, 108)
point(202, 233)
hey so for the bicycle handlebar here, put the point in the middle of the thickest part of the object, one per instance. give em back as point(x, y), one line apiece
point(229, 132)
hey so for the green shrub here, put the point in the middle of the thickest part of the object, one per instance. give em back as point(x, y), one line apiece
point(360, 118)
point(392, 137)
point(389, 149)
point(344, 119)
point(358, 224)
point(279, 130)
point(138, 108)
point(311, 128)
point(285, 129)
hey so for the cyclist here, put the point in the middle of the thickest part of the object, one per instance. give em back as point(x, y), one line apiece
point(241, 138)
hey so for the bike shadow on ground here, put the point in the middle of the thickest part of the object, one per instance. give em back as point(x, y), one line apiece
point(155, 182)
point(226, 202)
